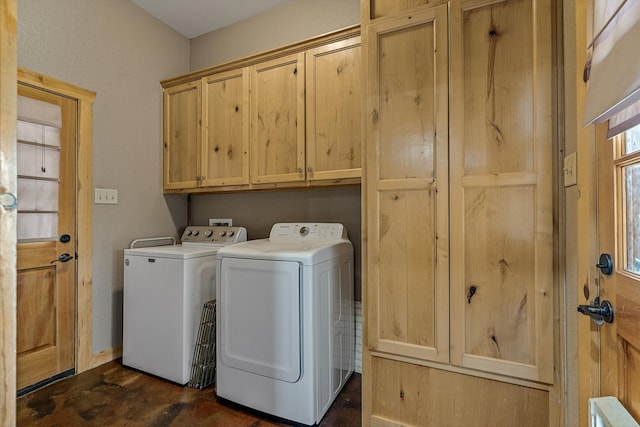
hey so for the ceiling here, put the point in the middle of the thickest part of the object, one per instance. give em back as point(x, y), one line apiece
point(192, 18)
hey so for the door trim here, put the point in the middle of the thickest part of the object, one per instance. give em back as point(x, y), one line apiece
point(84, 212)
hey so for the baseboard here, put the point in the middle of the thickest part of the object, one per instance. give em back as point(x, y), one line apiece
point(106, 356)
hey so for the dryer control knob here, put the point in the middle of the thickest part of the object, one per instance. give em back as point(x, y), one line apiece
point(208, 233)
point(231, 233)
point(222, 233)
point(195, 232)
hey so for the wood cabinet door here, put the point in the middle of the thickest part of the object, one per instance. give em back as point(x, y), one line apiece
point(407, 185)
point(277, 120)
point(225, 141)
point(333, 114)
point(501, 187)
point(182, 134)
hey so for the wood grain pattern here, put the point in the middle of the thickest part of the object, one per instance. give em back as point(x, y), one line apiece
point(333, 110)
point(8, 102)
point(225, 148)
point(46, 298)
point(407, 189)
point(382, 8)
point(501, 187)
point(413, 395)
point(182, 135)
point(277, 120)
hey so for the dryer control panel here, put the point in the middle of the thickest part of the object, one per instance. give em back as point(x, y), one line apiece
point(304, 231)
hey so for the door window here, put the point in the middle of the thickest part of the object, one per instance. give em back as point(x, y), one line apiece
point(628, 182)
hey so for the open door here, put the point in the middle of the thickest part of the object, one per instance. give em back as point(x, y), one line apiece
point(614, 344)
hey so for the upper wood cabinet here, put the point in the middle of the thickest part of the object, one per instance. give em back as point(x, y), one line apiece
point(182, 135)
point(286, 118)
point(333, 105)
point(225, 147)
point(277, 120)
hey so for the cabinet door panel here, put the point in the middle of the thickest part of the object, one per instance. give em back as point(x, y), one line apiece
point(501, 187)
point(182, 116)
point(277, 120)
point(225, 148)
point(334, 98)
point(407, 185)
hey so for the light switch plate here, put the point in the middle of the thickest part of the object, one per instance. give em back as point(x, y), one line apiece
point(105, 196)
point(570, 170)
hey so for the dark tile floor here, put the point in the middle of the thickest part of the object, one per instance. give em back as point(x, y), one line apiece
point(113, 395)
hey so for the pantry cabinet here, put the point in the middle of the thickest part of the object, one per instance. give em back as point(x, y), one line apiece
point(458, 203)
point(182, 135)
point(285, 118)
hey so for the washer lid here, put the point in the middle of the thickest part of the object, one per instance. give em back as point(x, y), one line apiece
point(173, 251)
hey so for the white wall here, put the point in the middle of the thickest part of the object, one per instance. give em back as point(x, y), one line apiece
point(292, 22)
point(114, 48)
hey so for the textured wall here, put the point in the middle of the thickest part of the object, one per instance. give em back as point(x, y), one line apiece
point(116, 49)
point(294, 21)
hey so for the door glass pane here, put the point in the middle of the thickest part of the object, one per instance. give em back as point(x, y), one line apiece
point(38, 181)
point(632, 140)
point(631, 176)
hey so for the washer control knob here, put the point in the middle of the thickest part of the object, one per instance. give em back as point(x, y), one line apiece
point(231, 233)
point(208, 233)
point(304, 231)
point(222, 233)
point(195, 233)
point(188, 233)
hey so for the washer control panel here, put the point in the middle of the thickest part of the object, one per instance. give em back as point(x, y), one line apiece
point(318, 232)
point(209, 234)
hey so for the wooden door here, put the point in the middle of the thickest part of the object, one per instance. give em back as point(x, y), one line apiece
point(277, 120)
point(407, 185)
point(225, 141)
point(46, 231)
point(182, 136)
point(614, 348)
point(334, 97)
point(501, 187)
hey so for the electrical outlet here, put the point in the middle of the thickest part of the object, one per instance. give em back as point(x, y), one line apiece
point(105, 196)
point(221, 221)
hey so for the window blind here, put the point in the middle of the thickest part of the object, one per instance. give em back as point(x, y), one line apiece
point(613, 92)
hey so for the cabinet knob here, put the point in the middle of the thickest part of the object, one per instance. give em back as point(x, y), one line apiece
point(309, 169)
point(300, 171)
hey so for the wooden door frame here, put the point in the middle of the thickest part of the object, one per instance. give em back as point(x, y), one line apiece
point(84, 359)
point(8, 183)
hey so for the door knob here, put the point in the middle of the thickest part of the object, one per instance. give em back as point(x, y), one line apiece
point(599, 312)
point(63, 258)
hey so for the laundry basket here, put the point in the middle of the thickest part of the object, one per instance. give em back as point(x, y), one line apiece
point(203, 368)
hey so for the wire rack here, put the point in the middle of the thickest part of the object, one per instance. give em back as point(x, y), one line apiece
point(203, 368)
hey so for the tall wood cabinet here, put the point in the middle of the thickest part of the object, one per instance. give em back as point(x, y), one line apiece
point(458, 271)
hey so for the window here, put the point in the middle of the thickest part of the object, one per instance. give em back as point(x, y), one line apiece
point(628, 180)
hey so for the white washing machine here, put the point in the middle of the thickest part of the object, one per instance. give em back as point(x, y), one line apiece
point(285, 323)
point(165, 288)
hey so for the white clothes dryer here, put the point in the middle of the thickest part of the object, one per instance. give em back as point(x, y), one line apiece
point(285, 324)
point(165, 289)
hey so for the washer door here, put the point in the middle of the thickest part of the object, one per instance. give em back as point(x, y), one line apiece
point(260, 317)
